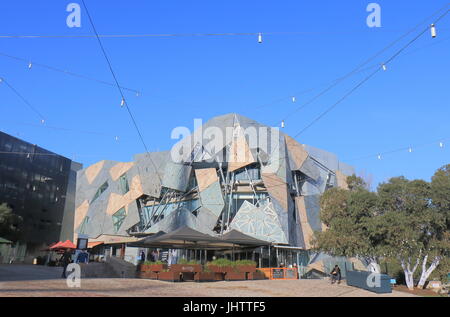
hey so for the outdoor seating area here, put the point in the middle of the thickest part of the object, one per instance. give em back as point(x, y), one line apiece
point(218, 270)
point(201, 269)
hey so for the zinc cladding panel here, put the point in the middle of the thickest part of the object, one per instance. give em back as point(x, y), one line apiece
point(312, 204)
point(205, 177)
point(328, 159)
point(212, 198)
point(176, 176)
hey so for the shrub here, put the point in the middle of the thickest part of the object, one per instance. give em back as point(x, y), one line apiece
point(221, 262)
point(186, 262)
point(152, 263)
point(245, 262)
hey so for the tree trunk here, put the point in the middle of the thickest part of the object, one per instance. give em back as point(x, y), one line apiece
point(373, 265)
point(409, 274)
point(426, 272)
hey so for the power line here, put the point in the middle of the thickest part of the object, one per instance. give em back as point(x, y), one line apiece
point(305, 91)
point(33, 64)
point(410, 148)
point(124, 102)
point(21, 97)
point(358, 68)
point(150, 35)
point(369, 77)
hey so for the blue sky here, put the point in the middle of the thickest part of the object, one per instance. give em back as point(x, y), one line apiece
point(182, 78)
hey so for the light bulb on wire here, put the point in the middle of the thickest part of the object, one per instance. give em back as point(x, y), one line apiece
point(260, 38)
point(433, 30)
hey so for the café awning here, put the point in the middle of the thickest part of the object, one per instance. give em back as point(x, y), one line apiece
point(63, 245)
point(240, 239)
point(182, 238)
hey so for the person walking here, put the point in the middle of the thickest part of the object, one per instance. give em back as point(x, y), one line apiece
point(66, 259)
point(142, 256)
point(336, 274)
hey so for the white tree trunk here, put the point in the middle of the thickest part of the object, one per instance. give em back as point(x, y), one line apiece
point(373, 265)
point(409, 274)
point(426, 272)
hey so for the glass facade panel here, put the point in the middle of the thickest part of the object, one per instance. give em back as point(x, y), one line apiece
point(123, 183)
point(100, 191)
point(118, 219)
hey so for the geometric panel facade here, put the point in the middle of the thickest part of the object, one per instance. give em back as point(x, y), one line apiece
point(233, 180)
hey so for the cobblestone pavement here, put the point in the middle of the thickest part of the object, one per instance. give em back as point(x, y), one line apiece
point(27, 280)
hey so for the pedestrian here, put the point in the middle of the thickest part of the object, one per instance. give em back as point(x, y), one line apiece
point(65, 260)
point(82, 257)
point(142, 256)
point(155, 256)
point(336, 274)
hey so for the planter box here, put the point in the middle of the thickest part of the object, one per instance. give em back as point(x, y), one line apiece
point(188, 268)
point(205, 276)
point(246, 268)
point(233, 276)
point(256, 276)
point(148, 275)
point(169, 276)
point(188, 276)
point(215, 268)
point(153, 267)
point(221, 269)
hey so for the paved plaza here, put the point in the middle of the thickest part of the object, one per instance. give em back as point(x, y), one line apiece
point(28, 280)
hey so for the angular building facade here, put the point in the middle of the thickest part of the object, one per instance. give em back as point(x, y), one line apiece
point(39, 186)
point(230, 173)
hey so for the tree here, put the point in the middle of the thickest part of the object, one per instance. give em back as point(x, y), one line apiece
point(348, 215)
point(9, 223)
point(404, 220)
point(410, 227)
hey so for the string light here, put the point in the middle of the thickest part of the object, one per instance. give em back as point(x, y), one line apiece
point(122, 103)
point(294, 99)
point(441, 144)
point(42, 121)
point(410, 150)
point(384, 67)
point(282, 123)
point(30, 64)
point(379, 156)
point(433, 31)
point(260, 38)
point(116, 138)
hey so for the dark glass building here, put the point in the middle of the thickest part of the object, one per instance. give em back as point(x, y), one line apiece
point(38, 185)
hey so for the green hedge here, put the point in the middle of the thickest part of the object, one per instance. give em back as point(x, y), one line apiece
point(226, 262)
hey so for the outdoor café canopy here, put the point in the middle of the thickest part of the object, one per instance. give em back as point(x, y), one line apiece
point(182, 238)
point(63, 245)
point(186, 237)
point(240, 239)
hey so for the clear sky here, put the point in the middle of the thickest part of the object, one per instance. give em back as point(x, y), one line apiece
point(187, 77)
